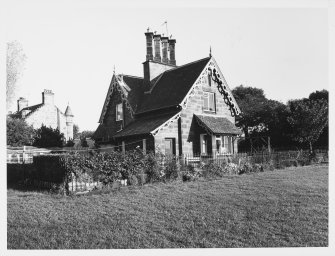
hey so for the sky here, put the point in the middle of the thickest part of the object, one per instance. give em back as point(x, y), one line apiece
point(73, 46)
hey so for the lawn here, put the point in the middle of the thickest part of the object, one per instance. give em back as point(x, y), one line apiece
point(271, 209)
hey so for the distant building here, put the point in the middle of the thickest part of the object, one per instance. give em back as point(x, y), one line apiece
point(186, 109)
point(46, 113)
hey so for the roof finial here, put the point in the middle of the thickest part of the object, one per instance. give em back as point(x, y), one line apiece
point(210, 51)
point(148, 29)
point(114, 70)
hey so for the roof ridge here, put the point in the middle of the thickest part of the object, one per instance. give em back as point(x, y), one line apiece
point(27, 108)
point(132, 76)
point(190, 63)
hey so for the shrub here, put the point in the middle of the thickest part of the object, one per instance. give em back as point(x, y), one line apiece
point(189, 173)
point(171, 169)
point(152, 168)
point(133, 180)
point(212, 169)
point(231, 168)
point(48, 137)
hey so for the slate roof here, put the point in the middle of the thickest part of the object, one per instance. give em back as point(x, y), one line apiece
point(136, 86)
point(31, 109)
point(173, 85)
point(103, 131)
point(218, 125)
point(68, 111)
point(144, 125)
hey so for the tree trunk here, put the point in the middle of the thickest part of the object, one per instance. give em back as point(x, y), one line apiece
point(310, 147)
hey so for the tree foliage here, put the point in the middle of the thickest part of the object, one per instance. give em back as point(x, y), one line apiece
point(19, 133)
point(299, 122)
point(308, 119)
point(252, 103)
point(75, 131)
point(48, 137)
point(14, 66)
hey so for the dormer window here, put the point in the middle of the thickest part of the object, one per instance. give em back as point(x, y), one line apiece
point(119, 112)
point(209, 101)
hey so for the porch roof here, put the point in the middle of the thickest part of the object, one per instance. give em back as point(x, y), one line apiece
point(217, 125)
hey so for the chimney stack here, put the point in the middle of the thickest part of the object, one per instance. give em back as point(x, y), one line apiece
point(21, 103)
point(149, 36)
point(165, 59)
point(48, 97)
point(172, 59)
point(157, 43)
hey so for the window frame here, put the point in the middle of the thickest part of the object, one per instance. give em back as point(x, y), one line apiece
point(117, 118)
point(207, 96)
point(172, 142)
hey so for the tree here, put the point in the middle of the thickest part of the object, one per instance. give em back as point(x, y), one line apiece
point(48, 137)
point(75, 131)
point(86, 134)
point(318, 95)
point(14, 66)
point(308, 119)
point(19, 133)
point(252, 103)
point(83, 142)
point(323, 140)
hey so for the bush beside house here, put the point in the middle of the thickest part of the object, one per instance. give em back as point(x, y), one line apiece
point(105, 169)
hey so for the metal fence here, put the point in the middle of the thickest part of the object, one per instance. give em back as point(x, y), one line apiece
point(320, 156)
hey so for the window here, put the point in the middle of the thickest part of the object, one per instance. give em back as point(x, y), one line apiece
point(209, 101)
point(205, 144)
point(218, 140)
point(170, 146)
point(209, 80)
point(119, 112)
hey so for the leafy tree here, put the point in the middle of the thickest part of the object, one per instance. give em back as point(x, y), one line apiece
point(69, 143)
point(83, 142)
point(48, 137)
point(14, 66)
point(323, 140)
point(252, 103)
point(318, 95)
point(308, 118)
point(86, 134)
point(75, 131)
point(19, 133)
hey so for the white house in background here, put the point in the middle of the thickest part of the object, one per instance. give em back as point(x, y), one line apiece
point(46, 113)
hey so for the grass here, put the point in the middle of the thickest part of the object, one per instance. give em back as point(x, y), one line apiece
point(271, 209)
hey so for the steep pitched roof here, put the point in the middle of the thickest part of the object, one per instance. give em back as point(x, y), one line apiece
point(31, 109)
point(172, 86)
point(68, 111)
point(144, 125)
point(136, 86)
point(217, 125)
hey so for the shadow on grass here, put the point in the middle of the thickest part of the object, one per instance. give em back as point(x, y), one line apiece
point(20, 186)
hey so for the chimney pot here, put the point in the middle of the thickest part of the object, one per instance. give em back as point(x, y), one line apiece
point(21, 103)
point(149, 36)
point(157, 42)
point(48, 97)
point(172, 59)
point(165, 59)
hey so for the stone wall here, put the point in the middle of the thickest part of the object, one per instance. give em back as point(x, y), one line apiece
point(50, 116)
point(189, 129)
point(171, 131)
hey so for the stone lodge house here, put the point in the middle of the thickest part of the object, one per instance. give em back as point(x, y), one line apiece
point(186, 109)
point(46, 113)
